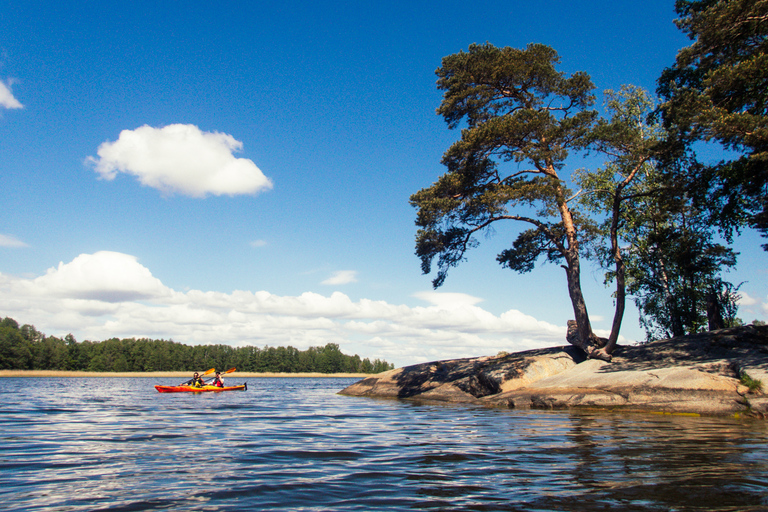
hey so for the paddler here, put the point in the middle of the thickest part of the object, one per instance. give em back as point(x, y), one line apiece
point(217, 381)
point(196, 381)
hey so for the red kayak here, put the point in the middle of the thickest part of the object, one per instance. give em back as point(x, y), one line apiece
point(192, 389)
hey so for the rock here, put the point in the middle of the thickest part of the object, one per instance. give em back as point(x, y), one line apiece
point(446, 393)
point(592, 347)
point(758, 407)
point(695, 374)
point(476, 377)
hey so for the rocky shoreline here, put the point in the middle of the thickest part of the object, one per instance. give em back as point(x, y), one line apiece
point(714, 373)
point(175, 375)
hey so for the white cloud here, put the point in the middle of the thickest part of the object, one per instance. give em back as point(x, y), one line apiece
point(180, 158)
point(746, 300)
point(258, 243)
point(11, 241)
point(6, 96)
point(342, 277)
point(448, 300)
point(104, 276)
point(750, 307)
point(109, 294)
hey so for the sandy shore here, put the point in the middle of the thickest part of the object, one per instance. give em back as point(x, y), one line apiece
point(181, 375)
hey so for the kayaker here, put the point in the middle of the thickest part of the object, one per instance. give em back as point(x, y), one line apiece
point(196, 381)
point(217, 381)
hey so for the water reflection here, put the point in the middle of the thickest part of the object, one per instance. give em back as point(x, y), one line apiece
point(669, 463)
point(294, 444)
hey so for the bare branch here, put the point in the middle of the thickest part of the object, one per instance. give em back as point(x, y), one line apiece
point(574, 196)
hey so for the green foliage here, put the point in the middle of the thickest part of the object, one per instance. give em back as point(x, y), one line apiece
point(718, 91)
point(519, 111)
point(13, 349)
point(660, 245)
point(25, 348)
point(754, 385)
point(614, 191)
point(728, 298)
point(673, 268)
point(530, 245)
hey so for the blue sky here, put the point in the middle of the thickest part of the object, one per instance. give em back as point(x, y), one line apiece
point(240, 172)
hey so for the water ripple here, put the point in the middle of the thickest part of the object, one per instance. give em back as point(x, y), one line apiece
point(293, 444)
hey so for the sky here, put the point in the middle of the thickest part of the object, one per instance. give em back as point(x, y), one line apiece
point(239, 172)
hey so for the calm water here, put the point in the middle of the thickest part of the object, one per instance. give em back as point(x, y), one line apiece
point(293, 444)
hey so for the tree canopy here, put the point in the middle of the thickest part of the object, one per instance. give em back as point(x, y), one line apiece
point(655, 244)
point(25, 348)
point(613, 192)
point(522, 119)
point(717, 91)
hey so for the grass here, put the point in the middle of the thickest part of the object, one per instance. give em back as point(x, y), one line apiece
point(753, 384)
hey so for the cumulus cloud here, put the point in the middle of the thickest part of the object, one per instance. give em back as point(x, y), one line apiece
point(751, 307)
point(104, 276)
point(11, 241)
point(181, 158)
point(342, 277)
point(746, 300)
point(109, 294)
point(6, 96)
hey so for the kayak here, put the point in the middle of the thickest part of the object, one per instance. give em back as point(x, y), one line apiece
point(190, 389)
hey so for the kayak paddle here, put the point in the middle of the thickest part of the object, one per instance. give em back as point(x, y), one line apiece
point(224, 373)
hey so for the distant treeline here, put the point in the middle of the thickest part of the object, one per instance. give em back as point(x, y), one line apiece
point(25, 348)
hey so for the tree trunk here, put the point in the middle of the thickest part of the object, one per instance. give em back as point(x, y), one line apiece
point(714, 312)
point(621, 288)
point(670, 301)
point(581, 334)
point(585, 339)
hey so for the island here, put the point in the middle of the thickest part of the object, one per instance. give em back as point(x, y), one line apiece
point(715, 373)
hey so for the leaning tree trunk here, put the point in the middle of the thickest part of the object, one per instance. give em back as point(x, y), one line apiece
point(584, 337)
point(621, 298)
point(621, 286)
point(580, 331)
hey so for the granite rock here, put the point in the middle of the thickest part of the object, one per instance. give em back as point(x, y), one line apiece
point(695, 374)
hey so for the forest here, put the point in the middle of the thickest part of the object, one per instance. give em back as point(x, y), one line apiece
point(22, 347)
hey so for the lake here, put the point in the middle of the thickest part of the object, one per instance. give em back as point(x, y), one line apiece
point(88, 444)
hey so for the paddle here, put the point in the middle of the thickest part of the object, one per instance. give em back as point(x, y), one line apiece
point(203, 375)
point(223, 373)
